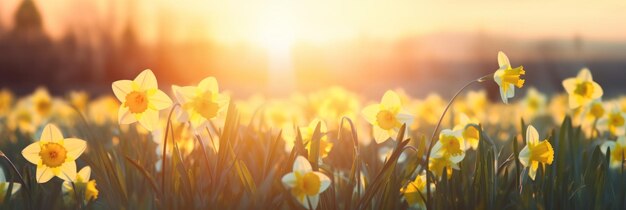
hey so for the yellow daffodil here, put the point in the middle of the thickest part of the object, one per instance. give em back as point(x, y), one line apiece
point(534, 104)
point(507, 77)
point(535, 152)
point(41, 102)
point(582, 89)
point(141, 100)
point(305, 184)
point(618, 151)
point(4, 186)
point(79, 99)
point(86, 188)
point(614, 122)
point(200, 103)
point(307, 134)
point(54, 155)
point(436, 165)
point(336, 103)
point(413, 190)
point(470, 134)
point(103, 110)
point(387, 117)
point(451, 144)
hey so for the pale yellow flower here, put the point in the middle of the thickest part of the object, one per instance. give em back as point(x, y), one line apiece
point(387, 117)
point(307, 135)
point(79, 99)
point(614, 122)
point(451, 145)
point(54, 155)
point(535, 103)
point(305, 184)
point(336, 103)
point(81, 184)
point(200, 103)
point(582, 89)
point(413, 190)
point(507, 77)
point(141, 100)
point(41, 102)
point(618, 151)
point(103, 110)
point(437, 165)
point(4, 186)
point(535, 152)
point(470, 134)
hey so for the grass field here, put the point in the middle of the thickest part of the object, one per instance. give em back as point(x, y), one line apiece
point(146, 146)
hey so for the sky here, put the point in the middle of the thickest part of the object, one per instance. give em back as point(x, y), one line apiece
point(321, 21)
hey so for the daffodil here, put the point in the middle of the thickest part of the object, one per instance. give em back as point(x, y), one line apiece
point(582, 89)
point(6, 101)
point(413, 190)
point(54, 155)
point(82, 185)
point(470, 134)
point(4, 186)
point(534, 103)
point(535, 152)
point(103, 110)
point(305, 184)
point(387, 117)
point(41, 102)
point(307, 135)
point(200, 103)
point(618, 151)
point(79, 99)
point(451, 144)
point(507, 77)
point(141, 100)
point(614, 122)
point(437, 165)
point(337, 102)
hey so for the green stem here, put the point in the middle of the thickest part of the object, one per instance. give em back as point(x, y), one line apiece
point(435, 131)
point(169, 122)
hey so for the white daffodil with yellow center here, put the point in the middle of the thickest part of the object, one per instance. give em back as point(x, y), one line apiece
point(614, 122)
point(507, 77)
point(412, 192)
point(54, 155)
point(470, 134)
point(4, 187)
point(387, 117)
point(582, 89)
point(618, 151)
point(86, 188)
point(141, 100)
point(305, 184)
point(535, 152)
point(200, 103)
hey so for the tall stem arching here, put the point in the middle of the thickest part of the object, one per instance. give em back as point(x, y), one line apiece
point(436, 130)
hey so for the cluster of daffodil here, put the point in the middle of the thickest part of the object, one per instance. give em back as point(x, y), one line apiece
point(139, 104)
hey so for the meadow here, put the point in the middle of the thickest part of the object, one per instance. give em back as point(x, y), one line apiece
point(145, 146)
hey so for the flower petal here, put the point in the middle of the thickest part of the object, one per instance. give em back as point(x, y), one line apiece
point(532, 136)
point(183, 94)
point(325, 181)
point(209, 84)
point(51, 133)
point(43, 174)
point(31, 153)
point(314, 200)
point(75, 147)
point(380, 135)
point(584, 75)
point(503, 60)
point(391, 101)
point(302, 165)
point(570, 85)
point(84, 173)
point(289, 180)
point(370, 112)
point(149, 119)
point(124, 117)
point(597, 91)
point(160, 100)
point(524, 156)
point(146, 80)
point(68, 171)
point(121, 88)
point(607, 145)
point(505, 99)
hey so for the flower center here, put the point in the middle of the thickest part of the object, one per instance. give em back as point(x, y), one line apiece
point(205, 106)
point(53, 154)
point(542, 152)
point(386, 120)
point(512, 76)
point(307, 184)
point(451, 145)
point(584, 89)
point(616, 119)
point(597, 110)
point(136, 101)
point(43, 106)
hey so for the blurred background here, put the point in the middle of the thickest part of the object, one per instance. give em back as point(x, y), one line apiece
point(277, 47)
